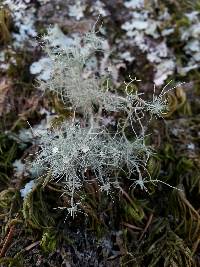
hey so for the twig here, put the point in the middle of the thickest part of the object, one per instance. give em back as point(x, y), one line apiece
point(126, 195)
point(131, 226)
point(32, 245)
point(147, 226)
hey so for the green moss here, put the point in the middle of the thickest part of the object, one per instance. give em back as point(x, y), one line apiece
point(8, 153)
point(49, 241)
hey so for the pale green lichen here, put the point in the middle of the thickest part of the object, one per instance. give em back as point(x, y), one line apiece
point(83, 151)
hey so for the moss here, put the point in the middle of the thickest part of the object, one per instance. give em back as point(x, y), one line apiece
point(8, 153)
point(48, 241)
